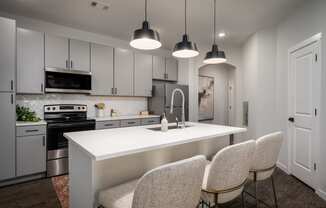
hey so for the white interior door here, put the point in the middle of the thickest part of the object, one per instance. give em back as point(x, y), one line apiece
point(304, 102)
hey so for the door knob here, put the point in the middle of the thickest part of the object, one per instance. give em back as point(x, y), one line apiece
point(291, 119)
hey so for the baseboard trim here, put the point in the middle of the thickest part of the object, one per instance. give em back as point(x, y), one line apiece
point(22, 179)
point(283, 167)
point(321, 194)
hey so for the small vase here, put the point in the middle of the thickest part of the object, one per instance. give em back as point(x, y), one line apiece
point(99, 113)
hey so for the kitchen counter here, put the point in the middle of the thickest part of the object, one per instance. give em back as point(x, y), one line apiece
point(105, 158)
point(109, 118)
point(110, 143)
point(30, 123)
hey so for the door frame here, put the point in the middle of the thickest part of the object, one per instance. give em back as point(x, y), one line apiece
point(317, 101)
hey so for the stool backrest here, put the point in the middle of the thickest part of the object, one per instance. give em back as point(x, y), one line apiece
point(230, 166)
point(176, 185)
point(267, 150)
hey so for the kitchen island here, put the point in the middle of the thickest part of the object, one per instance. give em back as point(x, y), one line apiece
point(104, 158)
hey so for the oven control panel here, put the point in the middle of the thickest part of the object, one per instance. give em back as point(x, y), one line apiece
point(64, 108)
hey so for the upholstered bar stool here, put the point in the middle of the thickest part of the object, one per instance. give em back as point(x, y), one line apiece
point(174, 185)
point(226, 175)
point(267, 150)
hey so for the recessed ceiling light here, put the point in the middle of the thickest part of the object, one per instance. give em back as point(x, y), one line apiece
point(221, 34)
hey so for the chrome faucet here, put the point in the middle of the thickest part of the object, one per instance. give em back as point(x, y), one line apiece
point(183, 122)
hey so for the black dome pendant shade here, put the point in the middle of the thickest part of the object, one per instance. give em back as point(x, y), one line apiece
point(185, 48)
point(215, 56)
point(145, 38)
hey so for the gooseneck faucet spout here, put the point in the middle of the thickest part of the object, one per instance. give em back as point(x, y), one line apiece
point(183, 122)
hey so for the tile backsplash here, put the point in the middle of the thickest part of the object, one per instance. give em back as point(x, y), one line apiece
point(122, 105)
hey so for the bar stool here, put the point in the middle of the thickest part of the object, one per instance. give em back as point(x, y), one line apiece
point(174, 185)
point(226, 175)
point(267, 150)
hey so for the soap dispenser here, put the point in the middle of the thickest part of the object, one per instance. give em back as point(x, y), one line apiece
point(164, 124)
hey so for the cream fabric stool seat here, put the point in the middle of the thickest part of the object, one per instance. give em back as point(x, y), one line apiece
point(226, 175)
point(267, 150)
point(176, 185)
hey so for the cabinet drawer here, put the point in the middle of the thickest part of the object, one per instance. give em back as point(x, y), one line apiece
point(31, 130)
point(107, 124)
point(130, 122)
point(150, 121)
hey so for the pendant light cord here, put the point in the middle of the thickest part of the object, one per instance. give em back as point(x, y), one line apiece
point(214, 22)
point(185, 16)
point(145, 10)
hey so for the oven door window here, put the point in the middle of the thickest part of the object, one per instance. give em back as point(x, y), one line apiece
point(55, 131)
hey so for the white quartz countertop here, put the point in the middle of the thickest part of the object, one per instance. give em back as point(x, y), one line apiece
point(108, 118)
point(110, 143)
point(29, 123)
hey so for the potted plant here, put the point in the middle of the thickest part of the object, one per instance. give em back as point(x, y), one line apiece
point(100, 109)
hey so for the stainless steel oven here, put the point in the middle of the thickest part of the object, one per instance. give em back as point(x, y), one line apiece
point(67, 81)
point(61, 119)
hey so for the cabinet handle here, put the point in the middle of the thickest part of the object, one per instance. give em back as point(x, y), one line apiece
point(131, 122)
point(43, 142)
point(12, 84)
point(67, 64)
point(42, 88)
point(31, 130)
point(71, 64)
point(12, 99)
point(112, 91)
point(167, 76)
point(108, 124)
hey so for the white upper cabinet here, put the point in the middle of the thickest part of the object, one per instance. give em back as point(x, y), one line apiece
point(56, 52)
point(123, 72)
point(80, 55)
point(30, 61)
point(165, 68)
point(143, 75)
point(7, 54)
point(102, 69)
point(158, 67)
point(64, 53)
point(171, 69)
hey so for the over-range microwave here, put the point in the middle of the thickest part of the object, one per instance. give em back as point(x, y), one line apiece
point(67, 81)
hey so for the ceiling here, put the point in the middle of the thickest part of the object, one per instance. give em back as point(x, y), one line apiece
point(238, 18)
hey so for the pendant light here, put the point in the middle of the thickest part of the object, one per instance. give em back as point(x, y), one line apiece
point(185, 48)
point(145, 38)
point(215, 56)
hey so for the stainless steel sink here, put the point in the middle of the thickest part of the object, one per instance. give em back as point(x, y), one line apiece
point(169, 127)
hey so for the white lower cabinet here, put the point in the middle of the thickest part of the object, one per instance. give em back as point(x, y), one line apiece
point(31, 154)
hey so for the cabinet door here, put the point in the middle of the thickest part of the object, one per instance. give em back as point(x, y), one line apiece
point(56, 52)
point(102, 69)
point(171, 68)
point(143, 75)
point(7, 137)
point(7, 54)
point(123, 72)
point(30, 61)
point(158, 67)
point(80, 55)
point(31, 155)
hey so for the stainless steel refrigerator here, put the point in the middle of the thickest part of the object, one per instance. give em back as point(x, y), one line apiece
point(160, 101)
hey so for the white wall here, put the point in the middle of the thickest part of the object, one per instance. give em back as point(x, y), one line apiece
point(220, 73)
point(265, 80)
